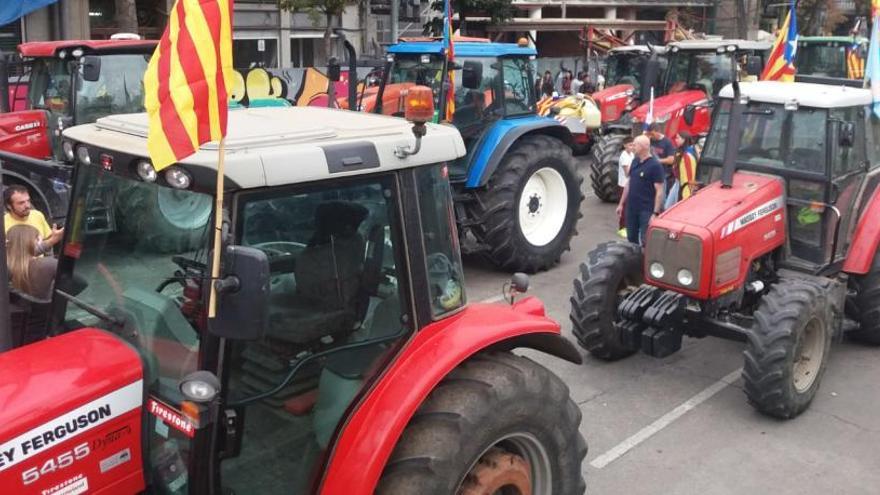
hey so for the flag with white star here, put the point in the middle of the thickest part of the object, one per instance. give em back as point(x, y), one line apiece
point(780, 64)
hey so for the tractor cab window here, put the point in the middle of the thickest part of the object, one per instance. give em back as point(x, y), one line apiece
point(50, 85)
point(445, 278)
point(624, 69)
point(708, 72)
point(474, 106)
point(822, 59)
point(872, 131)
point(119, 89)
point(133, 263)
point(517, 86)
point(419, 69)
point(336, 314)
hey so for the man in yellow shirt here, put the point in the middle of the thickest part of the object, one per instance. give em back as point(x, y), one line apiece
point(19, 211)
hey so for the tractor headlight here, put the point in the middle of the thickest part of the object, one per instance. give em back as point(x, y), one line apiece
point(177, 177)
point(657, 270)
point(69, 153)
point(82, 154)
point(685, 277)
point(146, 171)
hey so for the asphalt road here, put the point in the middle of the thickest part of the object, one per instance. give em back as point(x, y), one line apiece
point(681, 425)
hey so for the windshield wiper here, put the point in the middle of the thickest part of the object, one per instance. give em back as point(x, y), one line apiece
point(92, 310)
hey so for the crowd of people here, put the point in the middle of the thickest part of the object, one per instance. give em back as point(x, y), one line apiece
point(565, 84)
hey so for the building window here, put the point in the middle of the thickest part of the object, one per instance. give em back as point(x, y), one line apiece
point(257, 52)
point(302, 52)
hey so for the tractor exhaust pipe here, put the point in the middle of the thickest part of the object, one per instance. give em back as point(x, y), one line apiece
point(733, 132)
point(4, 84)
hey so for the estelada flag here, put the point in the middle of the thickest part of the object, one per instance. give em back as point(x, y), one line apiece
point(188, 79)
point(687, 172)
point(780, 63)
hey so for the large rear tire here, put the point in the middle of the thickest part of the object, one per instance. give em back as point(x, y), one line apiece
point(611, 271)
point(527, 213)
point(867, 302)
point(164, 219)
point(787, 348)
point(497, 424)
point(603, 167)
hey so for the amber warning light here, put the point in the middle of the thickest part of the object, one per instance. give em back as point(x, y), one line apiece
point(419, 104)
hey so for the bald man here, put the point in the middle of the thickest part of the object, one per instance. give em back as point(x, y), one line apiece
point(643, 194)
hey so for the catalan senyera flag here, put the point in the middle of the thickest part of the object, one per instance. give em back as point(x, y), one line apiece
point(449, 47)
point(872, 66)
point(188, 80)
point(687, 171)
point(780, 63)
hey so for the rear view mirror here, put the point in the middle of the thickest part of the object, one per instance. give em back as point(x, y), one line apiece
point(472, 74)
point(91, 68)
point(753, 65)
point(846, 136)
point(242, 295)
point(690, 112)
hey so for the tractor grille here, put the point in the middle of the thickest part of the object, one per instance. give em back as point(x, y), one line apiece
point(685, 251)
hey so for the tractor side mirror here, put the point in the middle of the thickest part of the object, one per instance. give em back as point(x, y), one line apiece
point(242, 295)
point(846, 136)
point(690, 112)
point(472, 74)
point(753, 65)
point(334, 70)
point(91, 68)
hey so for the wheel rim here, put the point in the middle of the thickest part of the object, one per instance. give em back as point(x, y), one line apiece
point(808, 359)
point(542, 206)
point(184, 210)
point(522, 468)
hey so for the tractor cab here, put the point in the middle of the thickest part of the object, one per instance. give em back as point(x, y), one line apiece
point(341, 305)
point(69, 83)
point(831, 56)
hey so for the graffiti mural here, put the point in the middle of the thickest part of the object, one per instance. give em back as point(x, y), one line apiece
point(260, 87)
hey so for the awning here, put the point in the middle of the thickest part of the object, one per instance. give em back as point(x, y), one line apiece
point(11, 10)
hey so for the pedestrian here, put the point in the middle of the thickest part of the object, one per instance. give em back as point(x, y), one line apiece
point(20, 211)
point(29, 273)
point(577, 83)
point(643, 193)
point(623, 164)
point(665, 151)
point(587, 86)
point(566, 82)
point(547, 84)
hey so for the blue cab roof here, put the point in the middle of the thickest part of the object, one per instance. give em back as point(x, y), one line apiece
point(463, 48)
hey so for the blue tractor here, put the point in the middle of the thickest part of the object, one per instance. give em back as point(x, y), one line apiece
point(517, 191)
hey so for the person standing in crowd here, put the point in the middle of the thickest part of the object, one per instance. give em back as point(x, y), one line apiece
point(547, 84)
point(587, 86)
point(577, 83)
point(665, 152)
point(643, 193)
point(623, 165)
point(19, 211)
point(29, 273)
point(566, 82)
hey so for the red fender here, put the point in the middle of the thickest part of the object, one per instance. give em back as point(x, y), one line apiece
point(866, 240)
point(367, 440)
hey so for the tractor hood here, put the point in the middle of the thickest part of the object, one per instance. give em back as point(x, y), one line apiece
point(666, 106)
point(717, 233)
point(613, 101)
point(615, 92)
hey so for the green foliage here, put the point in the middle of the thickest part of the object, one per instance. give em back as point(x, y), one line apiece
point(498, 10)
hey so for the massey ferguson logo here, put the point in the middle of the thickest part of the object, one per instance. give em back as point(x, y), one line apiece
point(753, 216)
point(29, 125)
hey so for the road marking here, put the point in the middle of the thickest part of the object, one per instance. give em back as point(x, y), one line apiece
point(664, 421)
point(493, 299)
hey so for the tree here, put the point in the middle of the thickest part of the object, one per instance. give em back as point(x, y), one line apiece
point(126, 16)
point(497, 10)
point(330, 10)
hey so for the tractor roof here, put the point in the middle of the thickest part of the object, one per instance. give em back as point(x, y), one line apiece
point(815, 40)
point(89, 47)
point(463, 48)
point(275, 146)
point(714, 44)
point(805, 94)
point(637, 49)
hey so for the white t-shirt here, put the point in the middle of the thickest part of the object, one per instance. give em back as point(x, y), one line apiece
point(626, 159)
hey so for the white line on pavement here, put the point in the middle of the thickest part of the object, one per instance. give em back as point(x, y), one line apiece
point(664, 421)
point(493, 299)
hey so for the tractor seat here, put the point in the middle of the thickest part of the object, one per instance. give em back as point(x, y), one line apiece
point(328, 278)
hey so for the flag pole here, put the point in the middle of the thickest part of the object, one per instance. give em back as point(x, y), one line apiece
point(218, 229)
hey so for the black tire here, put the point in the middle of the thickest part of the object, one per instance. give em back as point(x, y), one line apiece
point(610, 270)
point(867, 302)
point(792, 321)
point(487, 398)
point(603, 167)
point(141, 214)
point(496, 209)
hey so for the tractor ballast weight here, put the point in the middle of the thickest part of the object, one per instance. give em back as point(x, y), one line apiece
point(339, 233)
point(778, 249)
point(517, 189)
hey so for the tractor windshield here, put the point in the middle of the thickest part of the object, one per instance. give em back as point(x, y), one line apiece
point(708, 71)
point(822, 59)
point(420, 69)
point(773, 137)
point(624, 68)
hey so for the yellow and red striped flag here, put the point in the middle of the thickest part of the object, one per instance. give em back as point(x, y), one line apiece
point(188, 80)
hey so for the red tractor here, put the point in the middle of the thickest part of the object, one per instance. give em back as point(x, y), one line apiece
point(343, 358)
point(69, 82)
point(696, 71)
point(778, 250)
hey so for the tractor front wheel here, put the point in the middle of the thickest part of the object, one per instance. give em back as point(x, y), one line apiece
point(604, 167)
point(499, 423)
point(787, 348)
point(528, 211)
point(867, 302)
point(612, 270)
